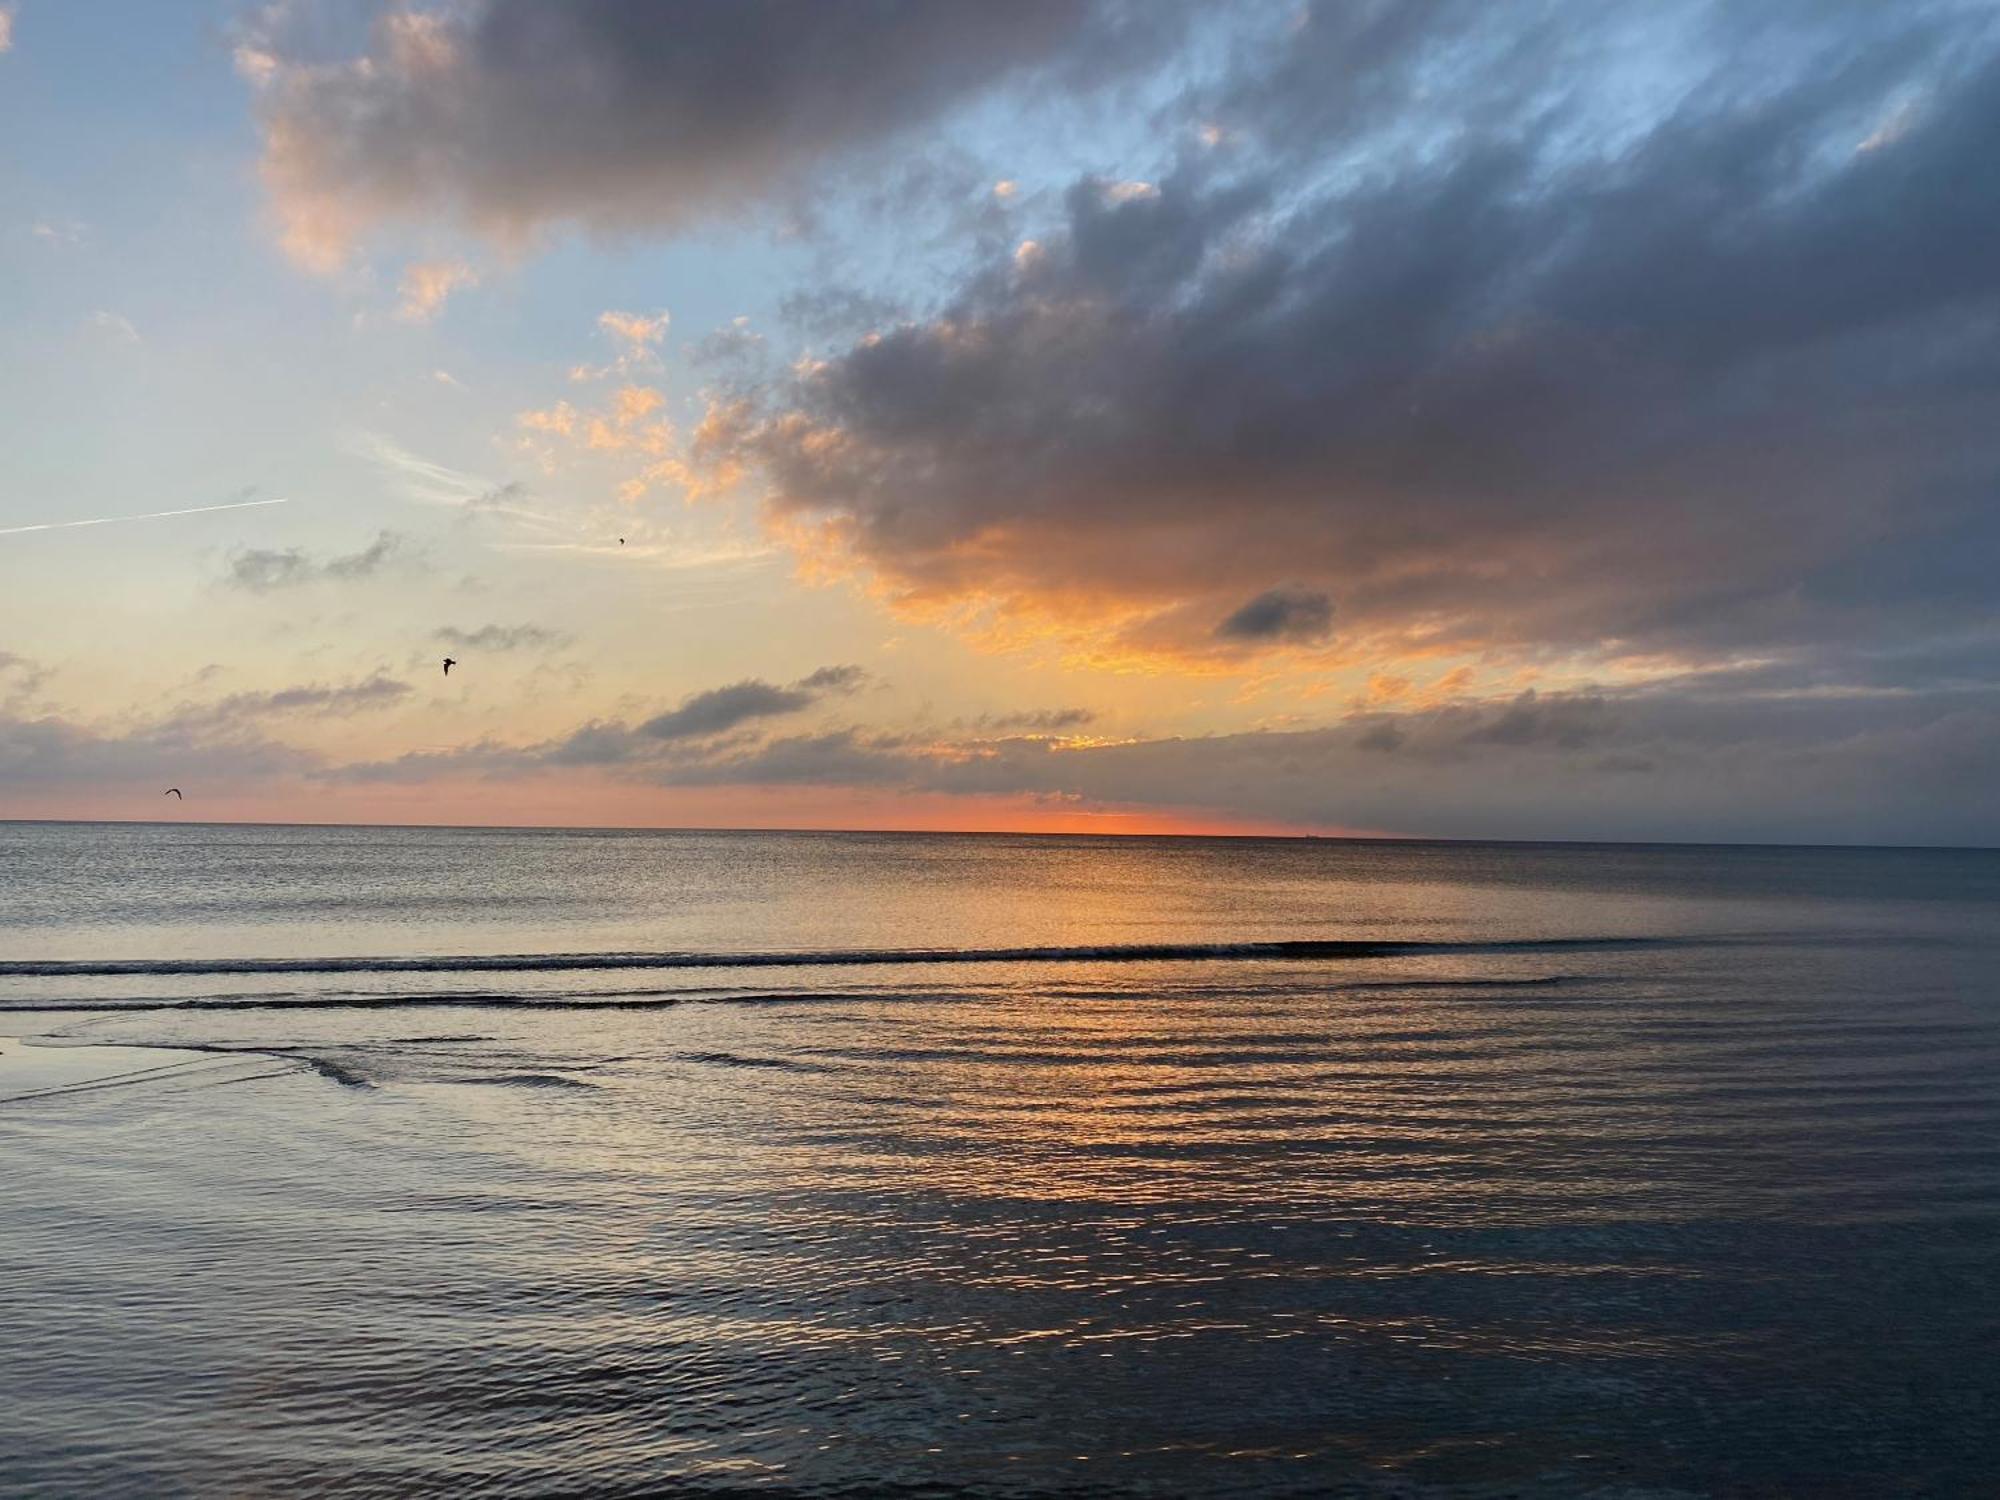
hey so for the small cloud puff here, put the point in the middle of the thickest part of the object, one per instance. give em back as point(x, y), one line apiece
point(637, 337)
point(115, 327)
point(428, 284)
point(262, 570)
point(502, 638)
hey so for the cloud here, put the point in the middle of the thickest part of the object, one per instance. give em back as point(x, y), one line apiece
point(1386, 736)
point(733, 345)
point(225, 744)
point(721, 709)
point(637, 338)
point(1039, 720)
point(502, 638)
point(319, 700)
point(844, 679)
point(510, 115)
point(1614, 348)
point(48, 750)
point(64, 233)
point(1568, 721)
point(1758, 754)
point(1280, 614)
point(6, 28)
point(624, 422)
point(115, 327)
point(21, 678)
point(1649, 351)
point(842, 757)
point(1884, 770)
point(708, 729)
point(827, 312)
point(1658, 763)
point(428, 284)
point(262, 570)
point(427, 482)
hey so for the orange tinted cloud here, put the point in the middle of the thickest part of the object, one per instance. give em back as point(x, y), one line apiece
point(427, 285)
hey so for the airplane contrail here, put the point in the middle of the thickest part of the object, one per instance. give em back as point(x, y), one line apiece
point(151, 515)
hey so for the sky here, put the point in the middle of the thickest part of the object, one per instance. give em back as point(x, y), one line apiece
point(1555, 420)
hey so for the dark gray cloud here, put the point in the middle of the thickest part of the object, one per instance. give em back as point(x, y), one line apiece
point(710, 727)
point(1384, 735)
point(222, 744)
point(1280, 614)
point(841, 679)
point(1534, 329)
point(1666, 335)
point(724, 708)
point(1566, 721)
point(49, 750)
point(719, 710)
point(841, 757)
point(262, 570)
point(1037, 720)
point(622, 114)
point(502, 638)
point(1888, 769)
point(1657, 763)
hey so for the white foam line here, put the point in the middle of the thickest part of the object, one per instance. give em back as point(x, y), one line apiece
point(153, 515)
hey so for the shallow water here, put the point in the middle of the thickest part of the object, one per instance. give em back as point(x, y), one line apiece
point(531, 1163)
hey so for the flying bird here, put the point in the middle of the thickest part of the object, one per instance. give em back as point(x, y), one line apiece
point(448, 665)
point(173, 791)
point(621, 541)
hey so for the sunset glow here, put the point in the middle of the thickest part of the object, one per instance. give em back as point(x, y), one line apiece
point(1176, 448)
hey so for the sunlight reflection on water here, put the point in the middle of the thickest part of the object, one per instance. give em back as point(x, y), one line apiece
point(1705, 1217)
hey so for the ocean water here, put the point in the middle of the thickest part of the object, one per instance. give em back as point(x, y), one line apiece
point(713, 1164)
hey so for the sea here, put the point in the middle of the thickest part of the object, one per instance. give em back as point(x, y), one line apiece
point(471, 1162)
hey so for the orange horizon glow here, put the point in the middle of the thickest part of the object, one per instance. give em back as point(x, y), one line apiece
point(762, 810)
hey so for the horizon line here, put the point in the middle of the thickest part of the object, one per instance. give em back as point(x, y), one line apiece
point(1301, 837)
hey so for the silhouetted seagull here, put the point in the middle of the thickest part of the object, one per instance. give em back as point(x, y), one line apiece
point(448, 665)
point(173, 791)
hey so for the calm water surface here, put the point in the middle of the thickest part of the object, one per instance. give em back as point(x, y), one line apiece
point(524, 1163)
